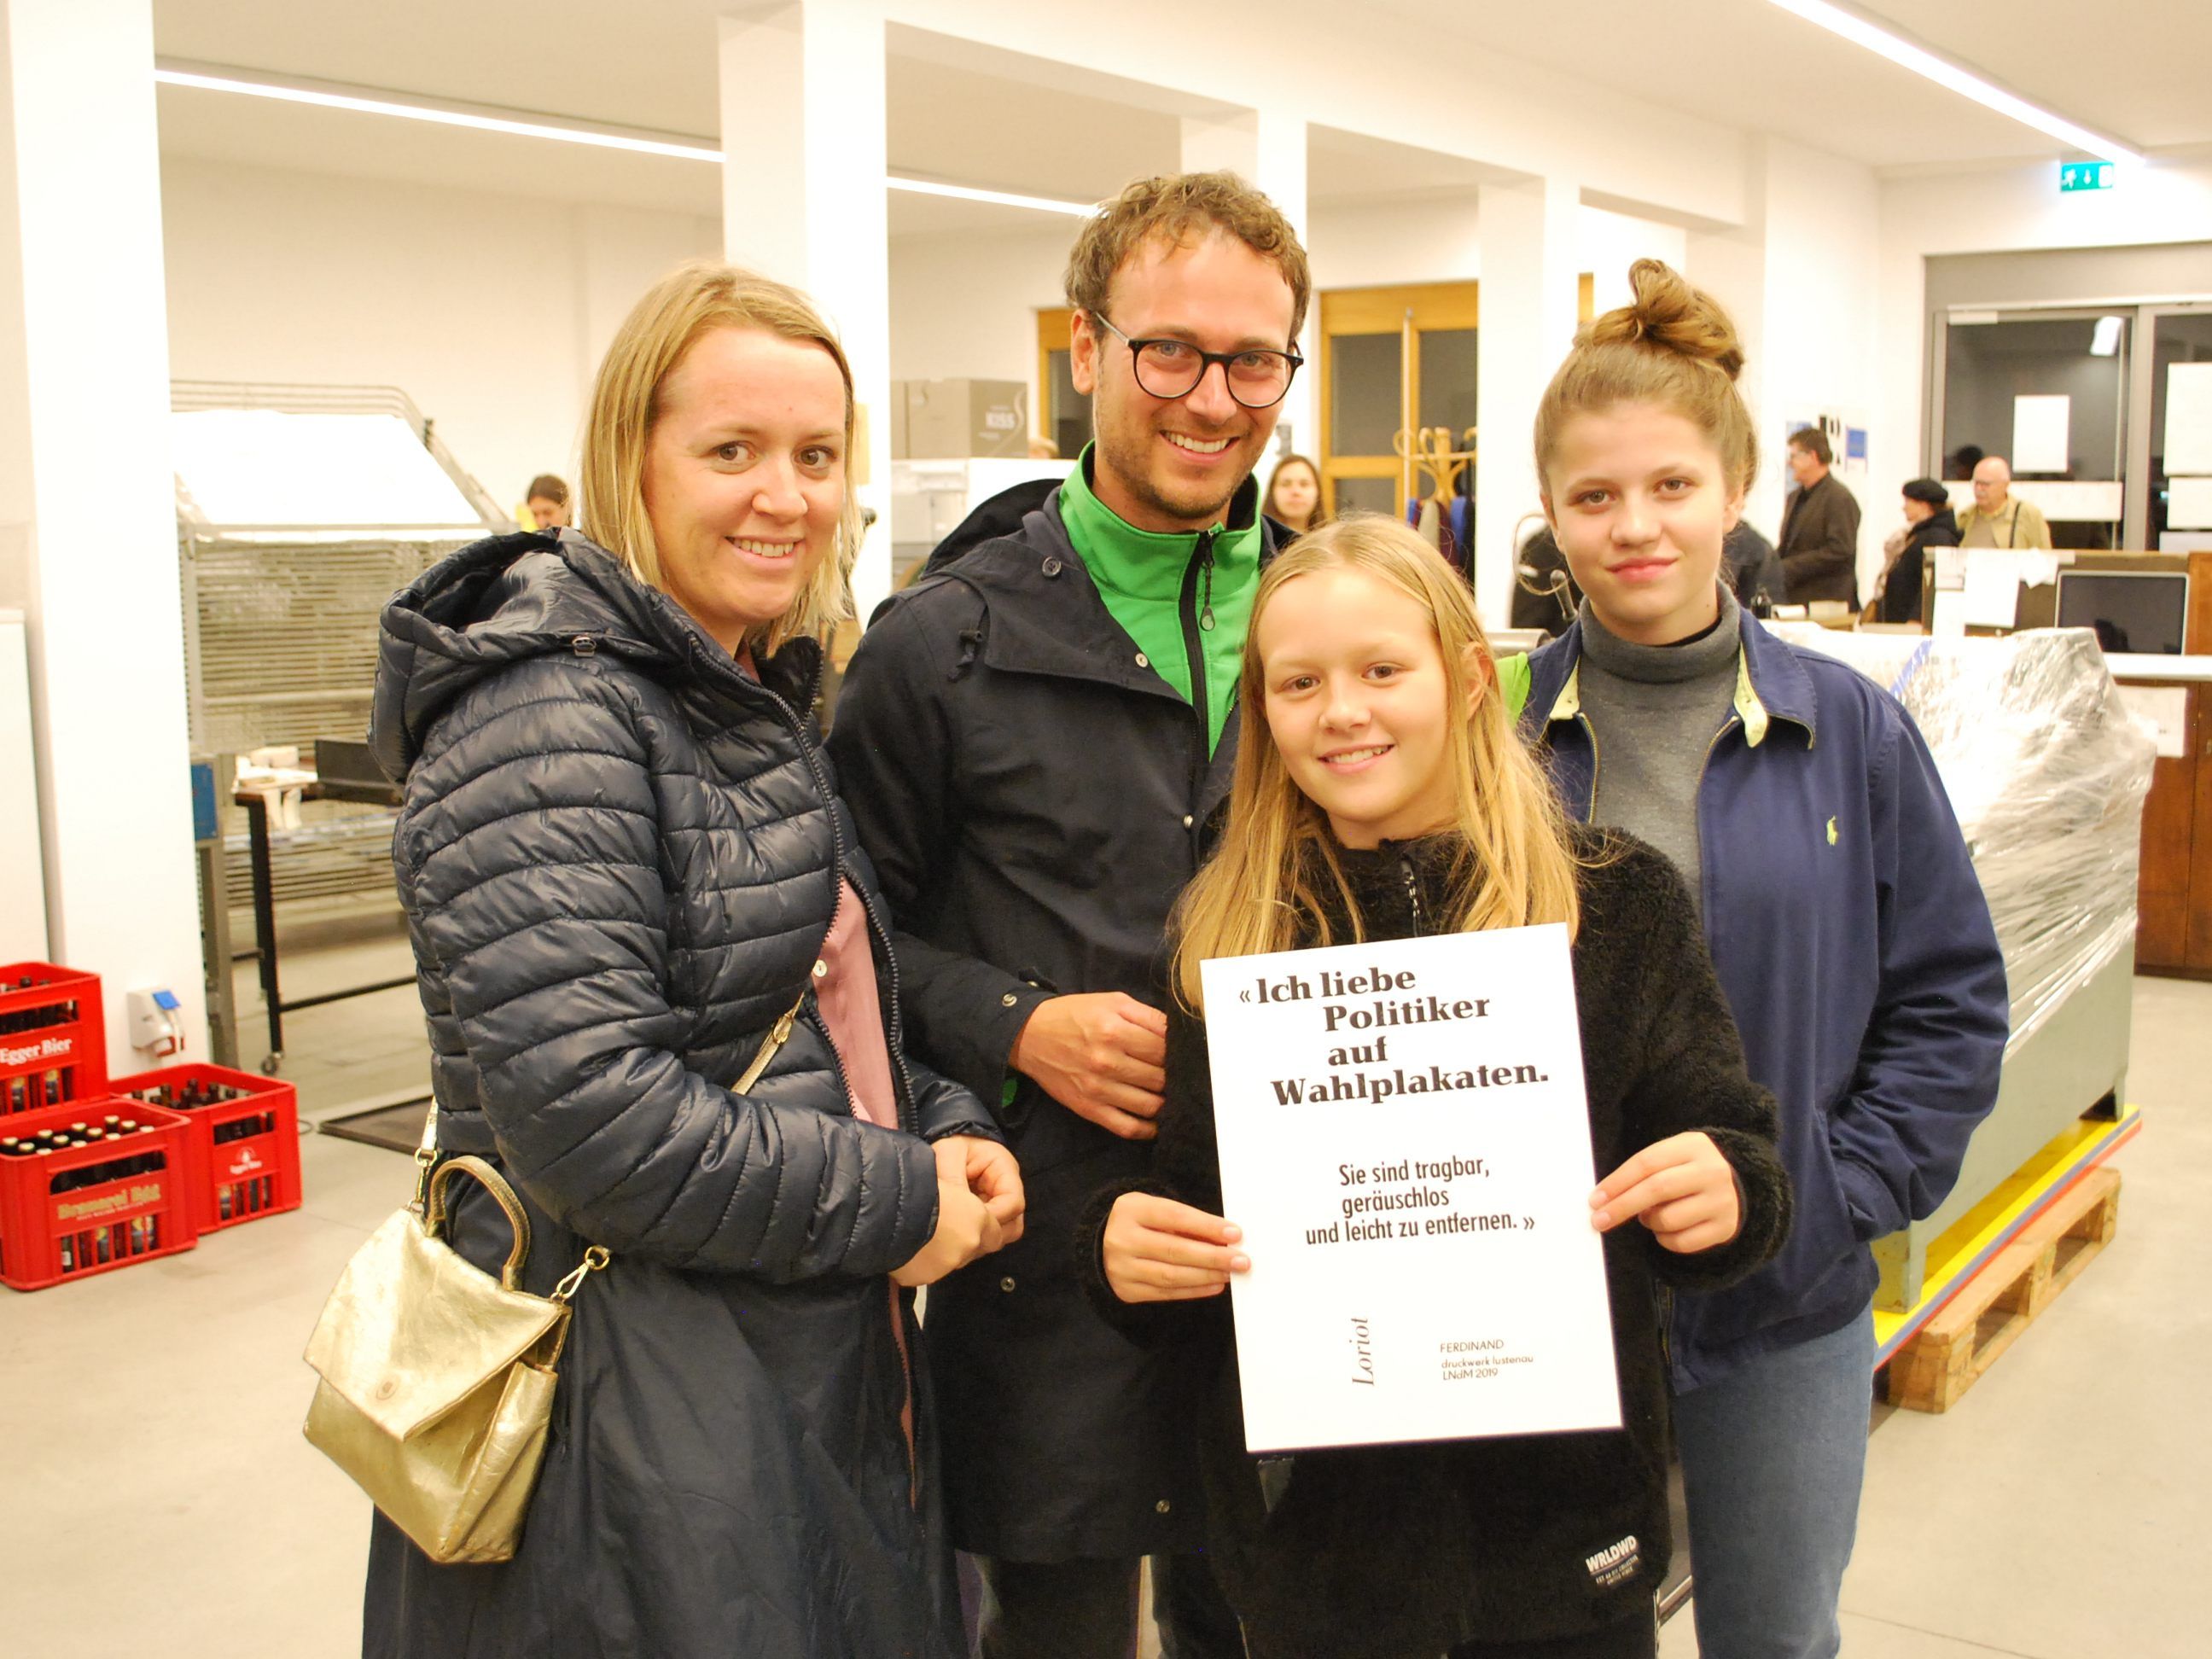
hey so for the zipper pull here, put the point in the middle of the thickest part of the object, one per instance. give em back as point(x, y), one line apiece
point(1206, 575)
point(1412, 892)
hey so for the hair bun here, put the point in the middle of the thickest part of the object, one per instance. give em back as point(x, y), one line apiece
point(1670, 315)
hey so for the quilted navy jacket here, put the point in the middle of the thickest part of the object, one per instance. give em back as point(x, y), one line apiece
point(619, 857)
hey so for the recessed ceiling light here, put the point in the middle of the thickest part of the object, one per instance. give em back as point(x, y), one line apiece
point(368, 101)
point(1876, 36)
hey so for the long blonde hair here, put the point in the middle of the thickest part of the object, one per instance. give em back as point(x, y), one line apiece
point(695, 299)
point(1265, 885)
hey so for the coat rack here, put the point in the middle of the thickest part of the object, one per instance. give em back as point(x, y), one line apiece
point(1429, 458)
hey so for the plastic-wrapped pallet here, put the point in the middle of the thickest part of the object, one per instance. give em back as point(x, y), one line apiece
point(2047, 774)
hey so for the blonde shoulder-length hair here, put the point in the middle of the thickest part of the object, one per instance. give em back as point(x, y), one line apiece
point(1265, 887)
point(692, 301)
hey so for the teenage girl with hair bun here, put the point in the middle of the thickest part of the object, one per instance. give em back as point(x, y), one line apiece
point(1380, 793)
point(1842, 912)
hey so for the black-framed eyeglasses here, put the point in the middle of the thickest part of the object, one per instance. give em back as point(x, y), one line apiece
point(1170, 368)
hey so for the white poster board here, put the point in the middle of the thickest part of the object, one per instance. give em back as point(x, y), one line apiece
point(2040, 426)
point(1405, 1141)
point(2188, 418)
point(2189, 503)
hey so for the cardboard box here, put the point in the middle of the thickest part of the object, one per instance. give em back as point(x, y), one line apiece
point(951, 420)
point(899, 419)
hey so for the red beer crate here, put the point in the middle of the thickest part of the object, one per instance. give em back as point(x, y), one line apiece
point(244, 1150)
point(53, 1040)
point(120, 1200)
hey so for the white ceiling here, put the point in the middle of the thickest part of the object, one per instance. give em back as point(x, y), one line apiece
point(652, 63)
point(2138, 69)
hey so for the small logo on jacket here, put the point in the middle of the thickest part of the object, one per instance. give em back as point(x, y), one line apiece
point(1832, 832)
point(1616, 1564)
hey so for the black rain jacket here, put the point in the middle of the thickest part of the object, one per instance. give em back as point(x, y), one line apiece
point(619, 857)
point(1033, 794)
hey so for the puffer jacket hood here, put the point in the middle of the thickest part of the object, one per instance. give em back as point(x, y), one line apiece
point(530, 594)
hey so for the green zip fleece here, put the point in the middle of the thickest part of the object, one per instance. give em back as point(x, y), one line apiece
point(1166, 589)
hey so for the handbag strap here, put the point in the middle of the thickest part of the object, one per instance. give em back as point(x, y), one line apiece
point(431, 1178)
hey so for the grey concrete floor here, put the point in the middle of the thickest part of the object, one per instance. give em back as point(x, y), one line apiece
point(158, 1498)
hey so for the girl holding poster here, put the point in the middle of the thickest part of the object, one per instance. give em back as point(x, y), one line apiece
point(1845, 923)
point(1380, 793)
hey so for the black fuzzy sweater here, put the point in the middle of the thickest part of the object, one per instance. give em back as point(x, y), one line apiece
point(1402, 1552)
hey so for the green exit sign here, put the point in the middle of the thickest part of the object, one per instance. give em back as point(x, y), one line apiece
point(2084, 175)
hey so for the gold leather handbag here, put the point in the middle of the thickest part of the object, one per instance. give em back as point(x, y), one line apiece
point(437, 1379)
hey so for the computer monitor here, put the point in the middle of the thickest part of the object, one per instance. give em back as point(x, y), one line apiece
point(2130, 610)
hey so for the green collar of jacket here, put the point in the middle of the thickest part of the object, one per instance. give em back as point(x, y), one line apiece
point(1142, 575)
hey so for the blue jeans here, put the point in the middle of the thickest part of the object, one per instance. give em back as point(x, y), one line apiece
point(1772, 1459)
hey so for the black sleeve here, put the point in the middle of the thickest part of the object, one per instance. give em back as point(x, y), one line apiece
point(1691, 1077)
point(1186, 1167)
point(896, 746)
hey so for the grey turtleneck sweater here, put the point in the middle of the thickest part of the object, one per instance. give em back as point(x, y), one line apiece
point(1655, 709)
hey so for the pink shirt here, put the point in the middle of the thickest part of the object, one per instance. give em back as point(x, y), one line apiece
point(845, 992)
point(853, 1011)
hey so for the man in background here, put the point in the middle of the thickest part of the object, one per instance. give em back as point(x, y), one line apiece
point(1998, 518)
point(1820, 541)
point(547, 502)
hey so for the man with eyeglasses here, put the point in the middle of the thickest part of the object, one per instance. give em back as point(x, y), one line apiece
point(1032, 739)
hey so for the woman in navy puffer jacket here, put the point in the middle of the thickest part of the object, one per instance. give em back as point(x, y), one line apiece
point(623, 863)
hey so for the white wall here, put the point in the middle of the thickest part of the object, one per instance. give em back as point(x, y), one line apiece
point(965, 304)
point(1611, 242)
point(488, 311)
point(2006, 209)
point(1359, 244)
point(1821, 330)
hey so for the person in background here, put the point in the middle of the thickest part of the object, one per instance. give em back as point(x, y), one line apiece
point(1294, 494)
point(1033, 738)
point(1998, 518)
point(1819, 541)
point(548, 502)
point(1545, 595)
point(1751, 568)
point(1840, 904)
point(629, 884)
point(1928, 523)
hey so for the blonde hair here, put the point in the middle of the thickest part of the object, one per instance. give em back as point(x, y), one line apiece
point(1266, 882)
point(694, 300)
point(1672, 346)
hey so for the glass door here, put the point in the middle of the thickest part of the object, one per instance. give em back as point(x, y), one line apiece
point(1373, 386)
point(1371, 383)
point(2047, 392)
point(2176, 512)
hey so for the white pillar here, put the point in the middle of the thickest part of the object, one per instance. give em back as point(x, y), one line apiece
point(803, 137)
point(1530, 287)
point(1731, 264)
point(1268, 147)
point(87, 502)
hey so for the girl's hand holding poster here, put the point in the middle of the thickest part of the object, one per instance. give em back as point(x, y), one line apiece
point(1404, 1142)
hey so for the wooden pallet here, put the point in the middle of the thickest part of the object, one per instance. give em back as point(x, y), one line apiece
point(1965, 1337)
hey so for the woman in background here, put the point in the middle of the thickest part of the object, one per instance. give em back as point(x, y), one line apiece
point(1294, 494)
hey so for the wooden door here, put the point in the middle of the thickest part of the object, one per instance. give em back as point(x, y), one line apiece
point(1371, 381)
